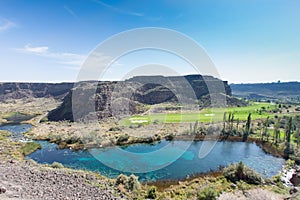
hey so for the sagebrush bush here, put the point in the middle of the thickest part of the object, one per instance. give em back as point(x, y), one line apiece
point(122, 138)
point(130, 183)
point(207, 193)
point(122, 179)
point(115, 129)
point(152, 193)
point(57, 165)
point(133, 183)
point(238, 172)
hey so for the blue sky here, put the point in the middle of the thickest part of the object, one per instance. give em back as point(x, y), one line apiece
point(249, 40)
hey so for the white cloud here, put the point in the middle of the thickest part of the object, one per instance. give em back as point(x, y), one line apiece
point(41, 49)
point(5, 24)
point(59, 57)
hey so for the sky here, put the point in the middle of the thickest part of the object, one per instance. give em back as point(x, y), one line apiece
point(249, 41)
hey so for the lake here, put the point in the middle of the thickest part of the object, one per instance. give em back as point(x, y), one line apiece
point(188, 164)
point(160, 156)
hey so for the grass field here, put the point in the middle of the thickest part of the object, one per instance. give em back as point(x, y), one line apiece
point(258, 111)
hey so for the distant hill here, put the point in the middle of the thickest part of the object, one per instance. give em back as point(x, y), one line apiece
point(33, 90)
point(289, 91)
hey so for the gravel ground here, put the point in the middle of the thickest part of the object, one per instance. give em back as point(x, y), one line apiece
point(254, 194)
point(24, 180)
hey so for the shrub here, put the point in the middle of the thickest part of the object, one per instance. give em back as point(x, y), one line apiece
point(4, 134)
point(169, 137)
point(72, 140)
point(207, 193)
point(277, 180)
point(115, 129)
point(57, 165)
point(152, 193)
point(122, 138)
point(130, 183)
point(158, 136)
point(133, 183)
point(238, 172)
point(122, 179)
point(290, 163)
point(241, 185)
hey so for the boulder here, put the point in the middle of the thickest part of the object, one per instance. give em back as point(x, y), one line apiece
point(2, 190)
point(295, 180)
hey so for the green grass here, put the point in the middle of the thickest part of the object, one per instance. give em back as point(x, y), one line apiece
point(205, 115)
point(30, 147)
point(4, 134)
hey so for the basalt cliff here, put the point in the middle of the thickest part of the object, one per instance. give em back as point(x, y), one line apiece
point(90, 100)
point(33, 90)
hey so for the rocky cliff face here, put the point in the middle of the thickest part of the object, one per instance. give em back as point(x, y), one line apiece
point(106, 99)
point(33, 90)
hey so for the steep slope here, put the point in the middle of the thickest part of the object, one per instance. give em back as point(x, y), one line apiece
point(133, 95)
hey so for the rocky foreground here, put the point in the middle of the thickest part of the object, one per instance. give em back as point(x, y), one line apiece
point(27, 180)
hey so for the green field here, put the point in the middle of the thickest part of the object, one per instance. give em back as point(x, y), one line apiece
point(205, 115)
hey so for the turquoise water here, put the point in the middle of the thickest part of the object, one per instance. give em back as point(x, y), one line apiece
point(134, 159)
point(188, 164)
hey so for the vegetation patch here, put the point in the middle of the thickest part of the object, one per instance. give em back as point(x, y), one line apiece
point(152, 193)
point(208, 193)
point(239, 172)
point(4, 134)
point(57, 165)
point(125, 183)
point(258, 110)
point(30, 147)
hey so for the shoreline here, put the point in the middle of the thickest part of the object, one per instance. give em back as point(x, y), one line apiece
point(163, 185)
point(212, 172)
point(267, 147)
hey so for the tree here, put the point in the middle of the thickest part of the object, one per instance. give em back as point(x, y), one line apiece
point(237, 125)
point(224, 123)
point(288, 133)
point(297, 135)
point(265, 132)
point(289, 129)
point(277, 131)
point(196, 127)
point(247, 130)
point(231, 122)
point(152, 193)
point(228, 121)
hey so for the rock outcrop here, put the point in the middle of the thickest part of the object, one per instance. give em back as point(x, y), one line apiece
point(105, 99)
point(33, 90)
